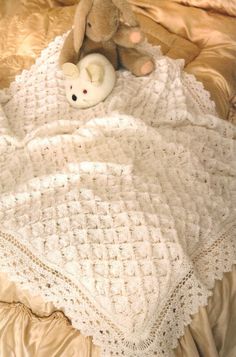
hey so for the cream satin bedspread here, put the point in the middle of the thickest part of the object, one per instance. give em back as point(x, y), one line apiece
point(29, 327)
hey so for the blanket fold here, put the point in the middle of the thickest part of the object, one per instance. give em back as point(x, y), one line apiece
point(122, 214)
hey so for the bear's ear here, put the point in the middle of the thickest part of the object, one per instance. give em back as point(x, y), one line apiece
point(70, 70)
point(93, 73)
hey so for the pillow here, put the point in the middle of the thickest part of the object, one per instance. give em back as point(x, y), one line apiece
point(224, 6)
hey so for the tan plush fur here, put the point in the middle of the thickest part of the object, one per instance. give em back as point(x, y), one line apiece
point(97, 28)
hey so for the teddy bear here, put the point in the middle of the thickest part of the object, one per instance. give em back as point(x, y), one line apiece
point(98, 28)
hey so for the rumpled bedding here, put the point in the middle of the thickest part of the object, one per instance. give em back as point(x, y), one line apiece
point(207, 42)
point(212, 37)
point(42, 331)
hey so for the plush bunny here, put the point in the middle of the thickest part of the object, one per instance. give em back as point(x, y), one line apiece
point(90, 81)
point(98, 29)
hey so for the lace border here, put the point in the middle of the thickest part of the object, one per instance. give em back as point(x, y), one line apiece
point(42, 278)
point(199, 94)
point(31, 273)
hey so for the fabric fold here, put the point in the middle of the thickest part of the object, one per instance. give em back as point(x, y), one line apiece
point(131, 198)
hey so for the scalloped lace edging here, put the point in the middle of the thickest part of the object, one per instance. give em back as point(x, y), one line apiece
point(117, 214)
point(199, 94)
point(183, 302)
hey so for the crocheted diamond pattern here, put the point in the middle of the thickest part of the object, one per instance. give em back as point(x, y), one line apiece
point(122, 214)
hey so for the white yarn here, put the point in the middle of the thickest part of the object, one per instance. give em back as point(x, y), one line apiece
point(122, 214)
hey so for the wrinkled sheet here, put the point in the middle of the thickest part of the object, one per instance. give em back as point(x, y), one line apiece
point(213, 36)
point(205, 39)
point(207, 42)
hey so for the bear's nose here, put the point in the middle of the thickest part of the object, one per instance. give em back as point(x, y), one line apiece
point(74, 98)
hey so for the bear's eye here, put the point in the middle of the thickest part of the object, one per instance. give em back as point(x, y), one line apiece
point(70, 87)
point(85, 91)
point(89, 25)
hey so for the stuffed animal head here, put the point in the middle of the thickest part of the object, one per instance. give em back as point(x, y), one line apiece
point(99, 20)
point(90, 81)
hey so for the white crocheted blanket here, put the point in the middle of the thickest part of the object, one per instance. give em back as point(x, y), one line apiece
point(122, 214)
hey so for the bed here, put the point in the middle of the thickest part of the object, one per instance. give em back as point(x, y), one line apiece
point(203, 33)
